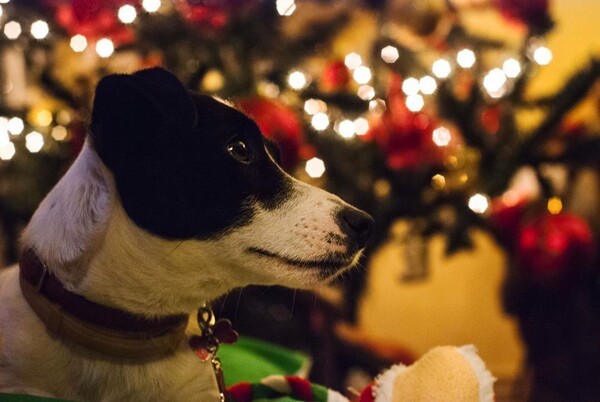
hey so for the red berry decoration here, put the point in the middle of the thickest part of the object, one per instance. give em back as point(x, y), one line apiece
point(335, 77)
point(555, 247)
point(278, 123)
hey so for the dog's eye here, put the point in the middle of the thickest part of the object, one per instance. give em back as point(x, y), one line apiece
point(240, 151)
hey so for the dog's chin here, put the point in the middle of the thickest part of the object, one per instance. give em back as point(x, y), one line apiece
point(316, 271)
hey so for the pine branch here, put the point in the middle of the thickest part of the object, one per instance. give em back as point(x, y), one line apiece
point(571, 94)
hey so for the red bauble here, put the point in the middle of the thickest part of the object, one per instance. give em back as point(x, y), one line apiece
point(506, 219)
point(530, 12)
point(212, 15)
point(553, 248)
point(404, 137)
point(278, 123)
point(94, 19)
point(335, 77)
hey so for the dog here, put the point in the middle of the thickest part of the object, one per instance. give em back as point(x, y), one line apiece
point(173, 201)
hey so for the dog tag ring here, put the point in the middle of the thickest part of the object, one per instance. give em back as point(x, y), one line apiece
point(205, 346)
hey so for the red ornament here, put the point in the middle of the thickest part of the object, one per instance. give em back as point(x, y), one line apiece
point(336, 77)
point(490, 119)
point(529, 12)
point(278, 123)
point(555, 247)
point(94, 19)
point(405, 137)
point(211, 15)
point(506, 218)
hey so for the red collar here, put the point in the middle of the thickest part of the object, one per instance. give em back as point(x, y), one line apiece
point(107, 330)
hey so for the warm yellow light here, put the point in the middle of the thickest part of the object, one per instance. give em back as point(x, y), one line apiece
point(441, 136)
point(438, 181)
point(105, 47)
point(285, 7)
point(377, 106)
point(63, 117)
point(353, 60)
point(34, 142)
point(43, 118)
point(542, 55)
point(466, 58)
point(441, 68)
point(415, 103)
point(362, 74)
point(59, 133)
point(315, 167)
point(213, 80)
point(410, 86)
point(382, 188)
point(555, 205)
point(479, 203)
point(297, 80)
point(127, 14)
point(390, 54)
point(346, 129)
point(494, 83)
point(7, 151)
point(366, 92)
point(1, 11)
point(427, 85)
point(361, 125)
point(15, 126)
point(12, 30)
point(39, 29)
point(78, 43)
point(151, 6)
point(314, 106)
point(512, 68)
point(320, 121)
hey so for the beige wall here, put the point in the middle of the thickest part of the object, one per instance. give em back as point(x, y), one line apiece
point(458, 303)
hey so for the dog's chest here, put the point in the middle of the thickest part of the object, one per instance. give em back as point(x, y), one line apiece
point(30, 359)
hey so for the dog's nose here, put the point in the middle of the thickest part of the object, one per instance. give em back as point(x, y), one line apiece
point(358, 225)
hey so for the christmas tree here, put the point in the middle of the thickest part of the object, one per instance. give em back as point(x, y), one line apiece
point(422, 123)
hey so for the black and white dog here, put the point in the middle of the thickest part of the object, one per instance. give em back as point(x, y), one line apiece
point(173, 201)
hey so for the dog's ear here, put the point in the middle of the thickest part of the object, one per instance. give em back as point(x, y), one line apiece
point(130, 110)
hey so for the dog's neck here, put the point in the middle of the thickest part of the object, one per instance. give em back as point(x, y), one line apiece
point(89, 243)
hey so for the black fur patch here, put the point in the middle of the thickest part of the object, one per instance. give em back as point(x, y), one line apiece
point(167, 149)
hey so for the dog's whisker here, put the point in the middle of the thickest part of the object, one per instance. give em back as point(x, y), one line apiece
point(237, 304)
point(265, 291)
point(223, 303)
point(293, 303)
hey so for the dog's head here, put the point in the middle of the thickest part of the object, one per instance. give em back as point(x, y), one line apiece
point(193, 178)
